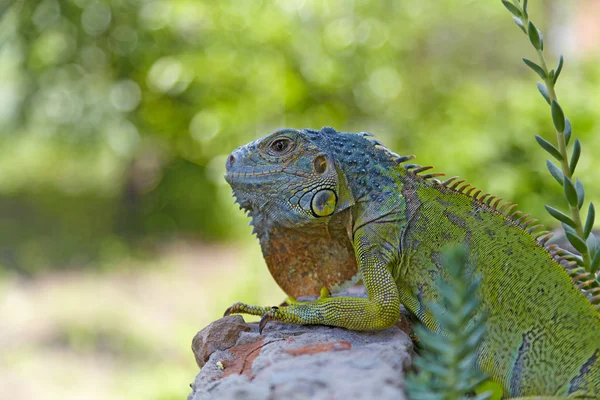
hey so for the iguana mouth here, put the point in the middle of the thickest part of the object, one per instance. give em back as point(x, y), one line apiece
point(232, 177)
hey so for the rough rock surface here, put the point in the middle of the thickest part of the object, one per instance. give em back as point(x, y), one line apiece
point(300, 362)
point(220, 335)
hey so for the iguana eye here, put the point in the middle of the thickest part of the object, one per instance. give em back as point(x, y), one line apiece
point(280, 146)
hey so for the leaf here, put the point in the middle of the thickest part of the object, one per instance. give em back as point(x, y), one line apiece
point(560, 216)
point(511, 7)
point(558, 68)
point(546, 145)
point(520, 24)
point(555, 172)
point(592, 245)
point(570, 191)
point(538, 70)
point(577, 242)
point(535, 37)
point(525, 7)
point(589, 221)
point(575, 156)
point(551, 75)
point(568, 228)
point(544, 92)
point(580, 193)
point(595, 262)
point(558, 116)
point(568, 130)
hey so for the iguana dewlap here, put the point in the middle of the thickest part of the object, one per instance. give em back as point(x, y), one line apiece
point(326, 203)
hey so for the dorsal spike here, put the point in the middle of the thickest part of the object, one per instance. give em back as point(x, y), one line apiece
point(477, 192)
point(522, 220)
point(495, 203)
point(530, 222)
point(401, 159)
point(455, 184)
point(586, 283)
point(483, 197)
point(489, 200)
point(533, 228)
point(434, 175)
point(366, 134)
point(411, 166)
point(595, 299)
point(545, 238)
point(515, 215)
point(421, 169)
point(462, 188)
point(570, 264)
point(449, 180)
point(508, 209)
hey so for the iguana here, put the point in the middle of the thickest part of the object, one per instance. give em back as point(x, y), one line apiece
point(332, 207)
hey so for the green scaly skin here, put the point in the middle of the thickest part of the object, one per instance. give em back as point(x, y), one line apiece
point(543, 332)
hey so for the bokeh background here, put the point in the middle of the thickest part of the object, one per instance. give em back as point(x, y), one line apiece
point(118, 236)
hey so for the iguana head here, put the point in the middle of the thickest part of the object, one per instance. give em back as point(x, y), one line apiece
point(299, 187)
point(287, 178)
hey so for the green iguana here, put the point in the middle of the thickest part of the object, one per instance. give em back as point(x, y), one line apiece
point(331, 207)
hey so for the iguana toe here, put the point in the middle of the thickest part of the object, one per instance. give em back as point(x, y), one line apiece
point(324, 293)
point(243, 308)
point(289, 300)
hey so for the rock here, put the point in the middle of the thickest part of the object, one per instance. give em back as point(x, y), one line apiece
point(303, 362)
point(219, 335)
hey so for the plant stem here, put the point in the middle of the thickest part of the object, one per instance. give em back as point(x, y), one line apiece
point(562, 144)
point(562, 148)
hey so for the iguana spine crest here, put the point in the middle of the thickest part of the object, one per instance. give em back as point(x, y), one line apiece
point(582, 279)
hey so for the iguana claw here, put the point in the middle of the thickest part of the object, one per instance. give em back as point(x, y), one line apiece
point(269, 315)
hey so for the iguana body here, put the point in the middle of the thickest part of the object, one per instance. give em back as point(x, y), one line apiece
point(393, 222)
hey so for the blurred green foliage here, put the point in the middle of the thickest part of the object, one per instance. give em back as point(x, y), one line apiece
point(116, 116)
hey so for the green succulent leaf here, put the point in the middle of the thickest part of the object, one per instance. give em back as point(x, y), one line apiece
point(536, 68)
point(549, 147)
point(555, 172)
point(595, 262)
point(568, 228)
point(535, 37)
point(575, 156)
point(558, 116)
point(580, 193)
point(568, 130)
point(570, 191)
point(560, 216)
point(544, 92)
point(520, 24)
point(589, 221)
point(525, 8)
point(592, 244)
point(558, 68)
point(511, 7)
point(577, 242)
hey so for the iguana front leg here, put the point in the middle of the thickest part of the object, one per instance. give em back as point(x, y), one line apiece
point(381, 310)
